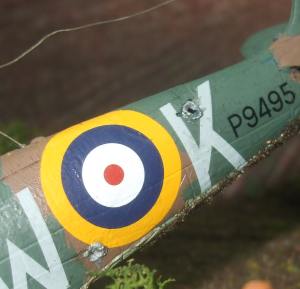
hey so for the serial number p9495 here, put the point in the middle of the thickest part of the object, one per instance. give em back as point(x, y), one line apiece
point(274, 102)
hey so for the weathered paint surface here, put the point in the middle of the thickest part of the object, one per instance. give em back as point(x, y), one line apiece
point(31, 247)
point(47, 235)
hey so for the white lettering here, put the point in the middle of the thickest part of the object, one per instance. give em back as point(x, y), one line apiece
point(22, 264)
point(208, 138)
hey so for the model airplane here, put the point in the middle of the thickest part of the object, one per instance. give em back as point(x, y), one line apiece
point(89, 196)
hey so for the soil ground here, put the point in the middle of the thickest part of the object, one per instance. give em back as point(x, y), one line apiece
point(225, 244)
point(75, 76)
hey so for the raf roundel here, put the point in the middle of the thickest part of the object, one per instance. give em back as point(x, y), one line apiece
point(111, 179)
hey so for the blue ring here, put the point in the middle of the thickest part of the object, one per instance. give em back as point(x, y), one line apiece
point(84, 204)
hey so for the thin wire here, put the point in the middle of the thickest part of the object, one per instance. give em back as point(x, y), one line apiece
point(11, 139)
point(72, 29)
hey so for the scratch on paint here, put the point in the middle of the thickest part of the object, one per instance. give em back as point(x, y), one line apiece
point(183, 179)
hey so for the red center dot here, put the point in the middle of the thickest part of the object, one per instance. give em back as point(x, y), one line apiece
point(113, 174)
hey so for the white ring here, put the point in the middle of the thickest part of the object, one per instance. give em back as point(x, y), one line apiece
point(93, 174)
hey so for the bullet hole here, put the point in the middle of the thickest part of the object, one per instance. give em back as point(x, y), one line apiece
point(95, 252)
point(191, 110)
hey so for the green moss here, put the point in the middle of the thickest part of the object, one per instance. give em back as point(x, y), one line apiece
point(135, 276)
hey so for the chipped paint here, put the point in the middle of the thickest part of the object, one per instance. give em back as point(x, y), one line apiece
point(295, 74)
point(286, 51)
point(95, 252)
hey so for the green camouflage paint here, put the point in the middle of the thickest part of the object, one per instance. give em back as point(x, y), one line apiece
point(233, 89)
point(16, 230)
point(250, 103)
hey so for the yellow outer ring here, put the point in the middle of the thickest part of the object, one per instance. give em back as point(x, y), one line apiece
point(63, 210)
